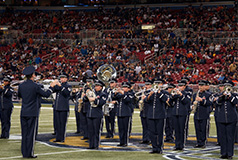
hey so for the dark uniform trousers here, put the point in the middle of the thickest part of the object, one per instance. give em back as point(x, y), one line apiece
point(124, 129)
point(94, 120)
point(156, 118)
point(28, 129)
point(61, 122)
point(110, 123)
point(189, 91)
point(169, 122)
point(179, 124)
point(145, 129)
point(6, 107)
point(227, 119)
point(61, 106)
point(124, 114)
point(180, 117)
point(144, 120)
point(6, 121)
point(156, 127)
point(75, 97)
point(83, 117)
point(202, 117)
point(94, 130)
point(218, 131)
point(29, 92)
point(169, 129)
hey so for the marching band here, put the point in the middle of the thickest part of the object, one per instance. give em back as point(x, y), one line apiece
point(162, 109)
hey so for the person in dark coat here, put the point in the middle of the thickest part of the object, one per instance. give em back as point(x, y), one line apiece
point(156, 116)
point(76, 95)
point(29, 92)
point(227, 119)
point(95, 115)
point(110, 119)
point(180, 111)
point(61, 104)
point(203, 101)
point(6, 107)
point(124, 112)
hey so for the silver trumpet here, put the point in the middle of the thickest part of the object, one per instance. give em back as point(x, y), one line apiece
point(80, 100)
point(174, 91)
point(139, 95)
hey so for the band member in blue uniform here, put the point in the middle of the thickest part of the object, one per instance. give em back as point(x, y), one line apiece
point(143, 114)
point(6, 107)
point(29, 92)
point(85, 108)
point(202, 101)
point(221, 89)
point(180, 111)
point(95, 114)
point(134, 104)
point(169, 131)
point(227, 118)
point(124, 112)
point(76, 95)
point(156, 116)
point(189, 92)
point(110, 119)
point(61, 105)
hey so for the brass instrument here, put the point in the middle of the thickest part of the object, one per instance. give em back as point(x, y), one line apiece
point(156, 87)
point(139, 95)
point(228, 90)
point(195, 103)
point(80, 100)
point(174, 91)
point(105, 73)
point(91, 94)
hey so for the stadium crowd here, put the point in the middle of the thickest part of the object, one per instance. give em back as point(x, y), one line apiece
point(175, 53)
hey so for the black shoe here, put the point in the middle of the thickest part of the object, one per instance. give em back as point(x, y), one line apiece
point(229, 157)
point(77, 133)
point(108, 137)
point(31, 157)
point(58, 141)
point(200, 146)
point(176, 149)
point(145, 142)
point(168, 140)
point(120, 145)
point(153, 152)
point(84, 138)
point(159, 152)
point(218, 144)
point(54, 133)
point(124, 145)
point(224, 157)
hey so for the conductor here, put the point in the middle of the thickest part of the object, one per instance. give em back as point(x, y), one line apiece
point(29, 92)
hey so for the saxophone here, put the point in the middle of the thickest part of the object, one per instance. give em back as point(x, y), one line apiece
point(195, 103)
point(141, 102)
point(80, 100)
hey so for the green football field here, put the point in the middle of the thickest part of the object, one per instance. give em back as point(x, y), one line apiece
point(11, 148)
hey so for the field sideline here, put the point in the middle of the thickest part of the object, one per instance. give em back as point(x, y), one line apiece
point(10, 149)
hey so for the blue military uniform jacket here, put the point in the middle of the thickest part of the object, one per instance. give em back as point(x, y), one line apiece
point(125, 104)
point(168, 107)
point(181, 104)
point(156, 109)
point(107, 91)
point(96, 112)
point(74, 97)
point(29, 92)
point(203, 107)
point(226, 111)
point(6, 97)
point(189, 92)
point(144, 112)
point(62, 96)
